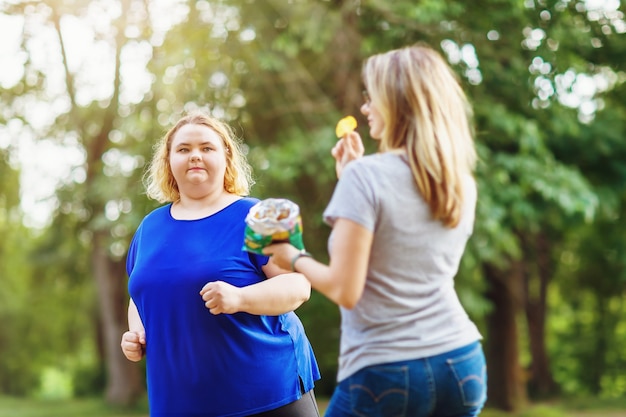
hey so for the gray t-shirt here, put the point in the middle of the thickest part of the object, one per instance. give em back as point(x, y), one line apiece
point(409, 308)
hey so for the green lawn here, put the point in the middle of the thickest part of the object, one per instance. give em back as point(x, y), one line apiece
point(573, 407)
point(13, 407)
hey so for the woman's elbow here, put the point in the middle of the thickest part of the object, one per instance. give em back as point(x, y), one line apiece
point(304, 289)
point(348, 300)
point(347, 303)
point(305, 295)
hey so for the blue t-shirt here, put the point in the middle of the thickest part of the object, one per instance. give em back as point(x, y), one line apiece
point(200, 364)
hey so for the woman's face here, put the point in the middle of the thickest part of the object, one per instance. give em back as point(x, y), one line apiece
point(374, 119)
point(197, 159)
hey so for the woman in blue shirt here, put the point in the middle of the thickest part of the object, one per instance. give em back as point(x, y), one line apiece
point(215, 323)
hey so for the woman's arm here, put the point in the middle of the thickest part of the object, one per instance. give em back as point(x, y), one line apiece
point(282, 293)
point(344, 279)
point(134, 321)
point(134, 340)
point(346, 150)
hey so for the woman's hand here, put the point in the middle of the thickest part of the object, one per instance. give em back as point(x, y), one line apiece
point(222, 298)
point(346, 150)
point(281, 254)
point(133, 345)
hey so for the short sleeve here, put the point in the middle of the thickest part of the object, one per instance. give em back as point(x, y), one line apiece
point(354, 198)
point(258, 261)
point(132, 252)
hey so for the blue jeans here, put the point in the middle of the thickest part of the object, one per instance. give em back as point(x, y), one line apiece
point(453, 384)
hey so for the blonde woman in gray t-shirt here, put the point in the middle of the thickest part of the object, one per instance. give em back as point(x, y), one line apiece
point(400, 221)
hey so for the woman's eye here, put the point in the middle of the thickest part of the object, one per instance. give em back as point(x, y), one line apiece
point(207, 149)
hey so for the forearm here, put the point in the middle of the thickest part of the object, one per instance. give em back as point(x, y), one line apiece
point(134, 320)
point(134, 340)
point(343, 281)
point(336, 287)
point(277, 295)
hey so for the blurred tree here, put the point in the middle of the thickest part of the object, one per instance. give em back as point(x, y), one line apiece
point(85, 116)
point(591, 271)
point(531, 196)
point(16, 376)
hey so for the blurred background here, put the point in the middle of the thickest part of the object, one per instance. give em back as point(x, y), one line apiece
point(87, 87)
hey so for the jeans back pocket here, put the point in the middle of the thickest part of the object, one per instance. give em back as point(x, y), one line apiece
point(380, 391)
point(470, 372)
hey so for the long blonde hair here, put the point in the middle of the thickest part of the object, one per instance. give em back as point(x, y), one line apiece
point(425, 111)
point(159, 180)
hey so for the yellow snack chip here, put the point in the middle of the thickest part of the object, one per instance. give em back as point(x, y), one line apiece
point(345, 126)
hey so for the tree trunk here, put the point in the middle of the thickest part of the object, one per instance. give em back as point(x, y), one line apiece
point(506, 386)
point(600, 336)
point(124, 382)
point(346, 58)
point(541, 383)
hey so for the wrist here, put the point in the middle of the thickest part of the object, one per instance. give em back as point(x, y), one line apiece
point(301, 254)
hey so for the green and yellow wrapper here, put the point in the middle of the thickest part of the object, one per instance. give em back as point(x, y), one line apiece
point(271, 221)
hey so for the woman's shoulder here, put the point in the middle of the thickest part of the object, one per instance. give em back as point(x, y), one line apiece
point(154, 220)
point(470, 188)
point(375, 165)
point(248, 201)
point(383, 159)
point(244, 204)
point(156, 217)
point(159, 212)
point(364, 163)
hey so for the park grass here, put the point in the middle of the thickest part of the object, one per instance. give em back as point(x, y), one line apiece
point(568, 407)
point(96, 407)
point(92, 407)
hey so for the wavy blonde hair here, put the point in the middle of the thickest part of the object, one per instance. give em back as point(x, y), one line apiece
point(425, 111)
point(159, 180)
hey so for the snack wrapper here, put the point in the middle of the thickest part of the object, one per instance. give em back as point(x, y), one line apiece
point(270, 221)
